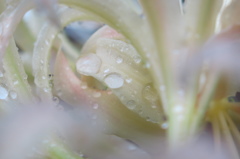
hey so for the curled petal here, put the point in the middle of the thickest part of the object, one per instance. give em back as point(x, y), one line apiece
point(104, 104)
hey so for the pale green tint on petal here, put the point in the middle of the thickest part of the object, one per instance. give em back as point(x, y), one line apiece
point(23, 37)
point(165, 20)
point(125, 20)
point(119, 119)
point(9, 20)
point(118, 65)
point(58, 151)
point(201, 19)
point(43, 45)
point(104, 32)
point(16, 76)
point(121, 70)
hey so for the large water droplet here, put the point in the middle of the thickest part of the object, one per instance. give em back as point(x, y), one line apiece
point(131, 104)
point(89, 64)
point(114, 80)
point(3, 92)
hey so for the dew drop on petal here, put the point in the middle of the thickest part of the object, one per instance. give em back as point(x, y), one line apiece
point(137, 59)
point(154, 106)
point(119, 60)
point(164, 125)
point(89, 64)
point(131, 104)
point(84, 86)
point(114, 80)
point(97, 94)
point(129, 80)
point(178, 108)
point(13, 95)
point(106, 70)
point(149, 93)
point(131, 147)
point(95, 106)
point(3, 92)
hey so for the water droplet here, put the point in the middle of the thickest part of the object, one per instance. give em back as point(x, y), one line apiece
point(95, 106)
point(178, 108)
point(129, 80)
point(84, 86)
point(97, 94)
point(149, 93)
point(13, 94)
point(154, 106)
point(25, 77)
point(119, 60)
point(147, 65)
point(164, 125)
point(106, 70)
point(43, 77)
point(131, 104)
point(137, 59)
point(114, 80)
point(3, 92)
point(131, 147)
point(89, 64)
point(46, 42)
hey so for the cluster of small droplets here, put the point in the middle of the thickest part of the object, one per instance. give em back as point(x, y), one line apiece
point(5, 94)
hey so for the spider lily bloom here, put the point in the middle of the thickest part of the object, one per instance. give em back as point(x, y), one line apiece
point(158, 73)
